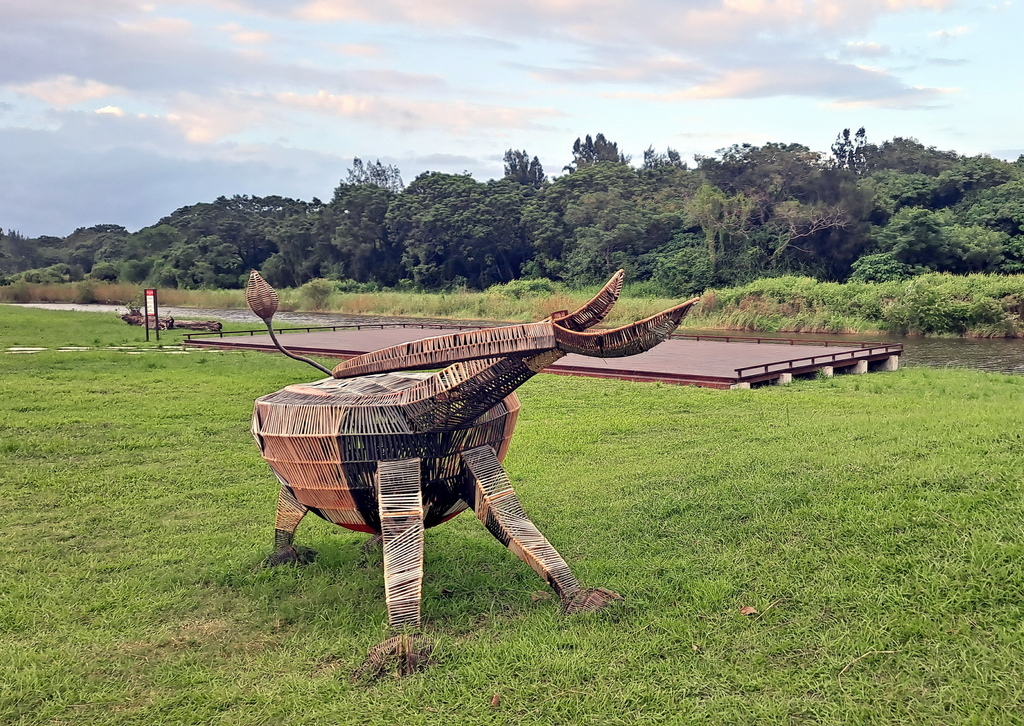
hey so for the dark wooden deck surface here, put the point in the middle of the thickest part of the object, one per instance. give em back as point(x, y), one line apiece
point(709, 363)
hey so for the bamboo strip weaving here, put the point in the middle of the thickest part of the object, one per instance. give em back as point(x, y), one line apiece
point(401, 516)
point(382, 446)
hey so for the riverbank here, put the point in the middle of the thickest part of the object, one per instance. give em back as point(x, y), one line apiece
point(997, 355)
point(981, 306)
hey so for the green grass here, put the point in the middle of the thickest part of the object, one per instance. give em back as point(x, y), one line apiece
point(874, 521)
point(27, 327)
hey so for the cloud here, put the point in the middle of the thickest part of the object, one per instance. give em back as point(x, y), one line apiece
point(158, 26)
point(842, 84)
point(203, 121)
point(866, 50)
point(910, 98)
point(407, 115)
point(947, 35)
point(446, 160)
point(134, 54)
point(946, 62)
point(667, 22)
point(132, 170)
point(706, 49)
point(65, 91)
point(362, 50)
point(656, 69)
point(246, 37)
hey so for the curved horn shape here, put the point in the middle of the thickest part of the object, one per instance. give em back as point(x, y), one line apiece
point(599, 306)
point(631, 339)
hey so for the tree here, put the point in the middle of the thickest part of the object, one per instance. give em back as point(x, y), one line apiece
point(971, 175)
point(88, 245)
point(908, 156)
point(551, 235)
point(590, 151)
point(105, 271)
point(21, 253)
point(727, 224)
point(520, 168)
point(362, 248)
point(919, 238)
point(375, 174)
point(848, 151)
point(609, 233)
point(773, 172)
point(794, 222)
point(683, 267)
point(656, 160)
point(1000, 207)
point(248, 224)
point(979, 249)
point(891, 191)
point(456, 230)
point(801, 213)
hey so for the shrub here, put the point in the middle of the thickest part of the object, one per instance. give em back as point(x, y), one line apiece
point(19, 291)
point(104, 271)
point(316, 294)
point(85, 292)
point(882, 267)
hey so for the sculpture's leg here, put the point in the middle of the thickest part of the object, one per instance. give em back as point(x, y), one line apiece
point(401, 521)
point(400, 499)
point(289, 513)
point(498, 507)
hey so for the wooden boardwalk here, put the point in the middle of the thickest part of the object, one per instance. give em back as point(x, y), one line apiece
point(726, 362)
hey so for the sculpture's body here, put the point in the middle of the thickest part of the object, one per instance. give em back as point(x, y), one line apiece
point(349, 427)
point(378, 448)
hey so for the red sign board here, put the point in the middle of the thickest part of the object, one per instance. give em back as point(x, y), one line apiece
point(151, 314)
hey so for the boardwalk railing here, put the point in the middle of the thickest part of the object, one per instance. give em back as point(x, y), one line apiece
point(866, 351)
point(779, 341)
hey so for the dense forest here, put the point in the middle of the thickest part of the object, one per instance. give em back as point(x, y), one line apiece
point(865, 211)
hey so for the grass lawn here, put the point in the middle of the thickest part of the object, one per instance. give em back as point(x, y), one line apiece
point(874, 522)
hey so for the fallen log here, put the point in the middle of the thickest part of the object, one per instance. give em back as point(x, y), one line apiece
point(170, 323)
point(212, 325)
point(140, 320)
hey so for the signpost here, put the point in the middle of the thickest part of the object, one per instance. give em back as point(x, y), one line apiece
point(151, 314)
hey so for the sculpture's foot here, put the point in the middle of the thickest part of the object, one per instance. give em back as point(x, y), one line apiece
point(290, 555)
point(372, 544)
point(590, 600)
point(408, 653)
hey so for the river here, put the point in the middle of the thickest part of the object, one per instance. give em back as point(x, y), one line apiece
point(988, 354)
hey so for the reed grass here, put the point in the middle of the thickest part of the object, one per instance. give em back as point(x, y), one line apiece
point(934, 304)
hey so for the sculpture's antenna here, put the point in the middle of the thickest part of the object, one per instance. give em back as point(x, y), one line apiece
point(263, 300)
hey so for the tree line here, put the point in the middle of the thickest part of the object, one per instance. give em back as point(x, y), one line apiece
point(864, 211)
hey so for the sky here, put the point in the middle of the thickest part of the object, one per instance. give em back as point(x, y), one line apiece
point(120, 112)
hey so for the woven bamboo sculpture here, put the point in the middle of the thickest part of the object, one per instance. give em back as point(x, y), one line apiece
point(379, 447)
